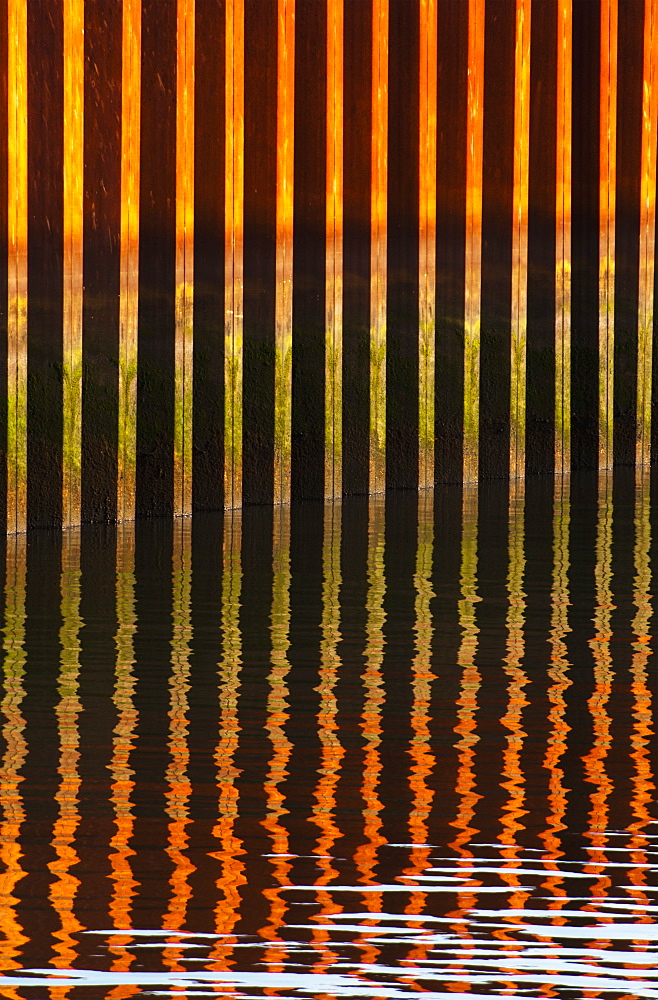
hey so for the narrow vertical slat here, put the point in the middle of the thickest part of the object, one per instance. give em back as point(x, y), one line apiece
point(233, 251)
point(647, 234)
point(519, 310)
point(607, 196)
point(473, 263)
point(427, 153)
point(378, 245)
point(73, 279)
point(129, 256)
point(17, 267)
point(333, 465)
point(285, 131)
point(563, 241)
point(184, 304)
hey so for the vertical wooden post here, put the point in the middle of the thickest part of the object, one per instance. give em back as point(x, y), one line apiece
point(607, 195)
point(17, 266)
point(378, 245)
point(563, 240)
point(519, 310)
point(333, 451)
point(285, 134)
point(427, 115)
point(129, 256)
point(647, 233)
point(184, 294)
point(74, 57)
point(473, 270)
point(233, 251)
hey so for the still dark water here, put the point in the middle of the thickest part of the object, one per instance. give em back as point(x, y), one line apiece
point(398, 748)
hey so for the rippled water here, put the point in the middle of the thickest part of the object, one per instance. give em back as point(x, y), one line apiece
point(401, 747)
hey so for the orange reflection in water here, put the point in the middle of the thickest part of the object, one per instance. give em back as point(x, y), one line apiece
point(64, 886)
point(332, 750)
point(123, 743)
point(366, 854)
point(277, 717)
point(11, 800)
point(230, 850)
point(177, 777)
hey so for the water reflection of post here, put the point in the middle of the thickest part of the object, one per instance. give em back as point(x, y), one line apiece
point(331, 748)
point(178, 794)
point(184, 290)
point(233, 251)
point(467, 704)
point(595, 770)
point(131, 54)
point(365, 856)
point(17, 266)
point(227, 910)
point(73, 166)
point(11, 801)
point(513, 811)
point(427, 116)
point(277, 716)
point(557, 671)
point(122, 745)
point(423, 760)
point(641, 737)
point(64, 887)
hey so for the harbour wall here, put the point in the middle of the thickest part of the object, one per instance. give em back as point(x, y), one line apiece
point(260, 250)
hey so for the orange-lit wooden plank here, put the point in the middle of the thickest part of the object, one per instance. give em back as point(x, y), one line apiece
point(285, 133)
point(17, 266)
point(427, 240)
point(72, 321)
point(607, 197)
point(129, 256)
point(333, 452)
point(473, 270)
point(233, 251)
point(519, 310)
point(647, 233)
point(378, 245)
point(183, 350)
point(563, 240)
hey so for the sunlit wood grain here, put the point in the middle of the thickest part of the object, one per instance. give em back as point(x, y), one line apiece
point(607, 215)
point(17, 266)
point(333, 465)
point(563, 239)
point(427, 113)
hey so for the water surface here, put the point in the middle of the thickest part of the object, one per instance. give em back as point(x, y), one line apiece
point(398, 747)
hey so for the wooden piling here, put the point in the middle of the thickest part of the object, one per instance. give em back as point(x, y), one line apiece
point(519, 310)
point(427, 158)
point(184, 293)
point(607, 198)
point(563, 241)
point(233, 251)
point(378, 246)
point(129, 256)
point(473, 264)
point(333, 450)
point(17, 266)
point(647, 233)
point(285, 133)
